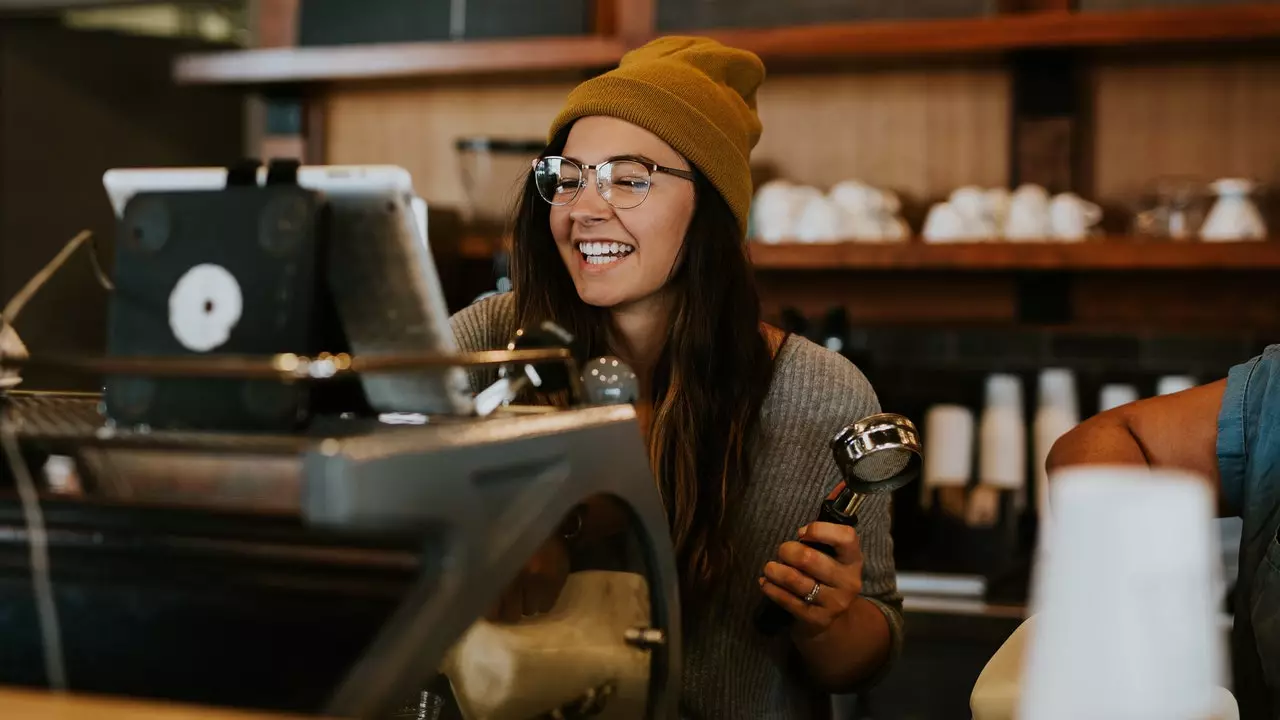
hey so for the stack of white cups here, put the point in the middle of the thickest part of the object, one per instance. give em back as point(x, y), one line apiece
point(1170, 384)
point(1114, 395)
point(1002, 452)
point(1125, 597)
point(948, 432)
point(1056, 413)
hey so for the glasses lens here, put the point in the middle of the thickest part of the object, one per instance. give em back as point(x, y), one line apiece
point(558, 180)
point(623, 184)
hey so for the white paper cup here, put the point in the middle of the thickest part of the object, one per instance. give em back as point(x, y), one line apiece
point(1116, 394)
point(948, 432)
point(1126, 597)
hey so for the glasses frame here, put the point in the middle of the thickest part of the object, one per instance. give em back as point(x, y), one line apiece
point(583, 168)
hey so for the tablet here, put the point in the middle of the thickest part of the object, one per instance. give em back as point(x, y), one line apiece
point(382, 276)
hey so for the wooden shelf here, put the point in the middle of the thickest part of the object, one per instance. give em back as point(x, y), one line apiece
point(1106, 254)
point(1011, 32)
point(843, 40)
point(1116, 253)
point(397, 60)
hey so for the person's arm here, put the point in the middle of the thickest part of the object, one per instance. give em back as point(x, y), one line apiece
point(1174, 431)
point(849, 637)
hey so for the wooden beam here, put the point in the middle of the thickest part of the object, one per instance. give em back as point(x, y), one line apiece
point(1009, 32)
point(276, 23)
point(636, 21)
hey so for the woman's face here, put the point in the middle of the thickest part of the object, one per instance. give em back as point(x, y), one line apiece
point(641, 243)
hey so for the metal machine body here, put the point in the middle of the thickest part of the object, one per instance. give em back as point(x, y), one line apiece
point(424, 525)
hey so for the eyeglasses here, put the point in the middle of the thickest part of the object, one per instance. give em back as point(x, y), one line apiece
point(623, 184)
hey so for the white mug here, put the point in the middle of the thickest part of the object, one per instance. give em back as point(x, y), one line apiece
point(1028, 217)
point(943, 224)
point(1072, 217)
point(822, 221)
point(775, 210)
point(972, 205)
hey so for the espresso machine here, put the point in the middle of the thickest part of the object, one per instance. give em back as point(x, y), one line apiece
point(302, 509)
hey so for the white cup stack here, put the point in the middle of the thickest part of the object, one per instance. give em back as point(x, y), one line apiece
point(1126, 592)
point(1114, 395)
point(948, 432)
point(1002, 455)
point(1170, 384)
point(1056, 413)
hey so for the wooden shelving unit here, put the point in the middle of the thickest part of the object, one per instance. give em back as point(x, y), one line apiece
point(1102, 254)
point(990, 34)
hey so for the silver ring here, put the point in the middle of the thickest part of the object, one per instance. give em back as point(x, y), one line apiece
point(813, 594)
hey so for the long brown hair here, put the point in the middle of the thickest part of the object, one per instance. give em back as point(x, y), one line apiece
point(710, 380)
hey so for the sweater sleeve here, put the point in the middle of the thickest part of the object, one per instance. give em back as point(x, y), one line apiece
point(822, 392)
point(484, 325)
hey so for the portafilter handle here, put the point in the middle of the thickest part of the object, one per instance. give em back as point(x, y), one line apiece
point(876, 455)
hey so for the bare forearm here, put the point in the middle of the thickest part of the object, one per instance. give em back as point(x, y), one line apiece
point(849, 651)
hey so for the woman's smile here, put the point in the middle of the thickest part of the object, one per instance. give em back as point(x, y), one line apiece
point(602, 255)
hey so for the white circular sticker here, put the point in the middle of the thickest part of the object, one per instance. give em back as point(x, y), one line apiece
point(204, 307)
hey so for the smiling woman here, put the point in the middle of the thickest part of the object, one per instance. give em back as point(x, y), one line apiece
point(630, 234)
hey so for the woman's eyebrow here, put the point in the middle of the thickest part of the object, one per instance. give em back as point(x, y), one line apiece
point(613, 158)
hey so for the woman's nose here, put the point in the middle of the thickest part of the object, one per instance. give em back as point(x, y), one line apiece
point(591, 206)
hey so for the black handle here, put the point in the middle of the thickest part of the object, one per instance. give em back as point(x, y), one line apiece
point(772, 618)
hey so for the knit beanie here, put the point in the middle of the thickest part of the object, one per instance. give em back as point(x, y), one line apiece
point(696, 94)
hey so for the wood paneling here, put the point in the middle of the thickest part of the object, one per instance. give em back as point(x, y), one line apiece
point(73, 105)
point(275, 23)
point(21, 703)
point(1204, 118)
point(416, 127)
point(921, 132)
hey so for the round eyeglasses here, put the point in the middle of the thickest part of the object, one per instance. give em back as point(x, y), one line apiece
point(622, 183)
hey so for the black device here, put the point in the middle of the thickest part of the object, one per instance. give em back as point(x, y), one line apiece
point(236, 271)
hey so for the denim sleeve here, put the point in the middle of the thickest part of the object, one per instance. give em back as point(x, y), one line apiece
point(1251, 397)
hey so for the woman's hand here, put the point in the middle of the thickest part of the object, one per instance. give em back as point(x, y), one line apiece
point(798, 569)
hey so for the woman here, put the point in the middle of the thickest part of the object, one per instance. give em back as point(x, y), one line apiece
point(630, 234)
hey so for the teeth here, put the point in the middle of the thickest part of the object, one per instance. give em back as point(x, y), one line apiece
point(604, 248)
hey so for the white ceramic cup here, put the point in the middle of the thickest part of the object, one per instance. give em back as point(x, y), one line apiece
point(943, 224)
point(1072, 217)
point(1028, 217)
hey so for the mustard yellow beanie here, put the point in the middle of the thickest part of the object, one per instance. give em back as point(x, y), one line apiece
point(696, 94)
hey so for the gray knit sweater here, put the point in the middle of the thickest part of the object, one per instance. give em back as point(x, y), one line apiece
point(730, 671)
